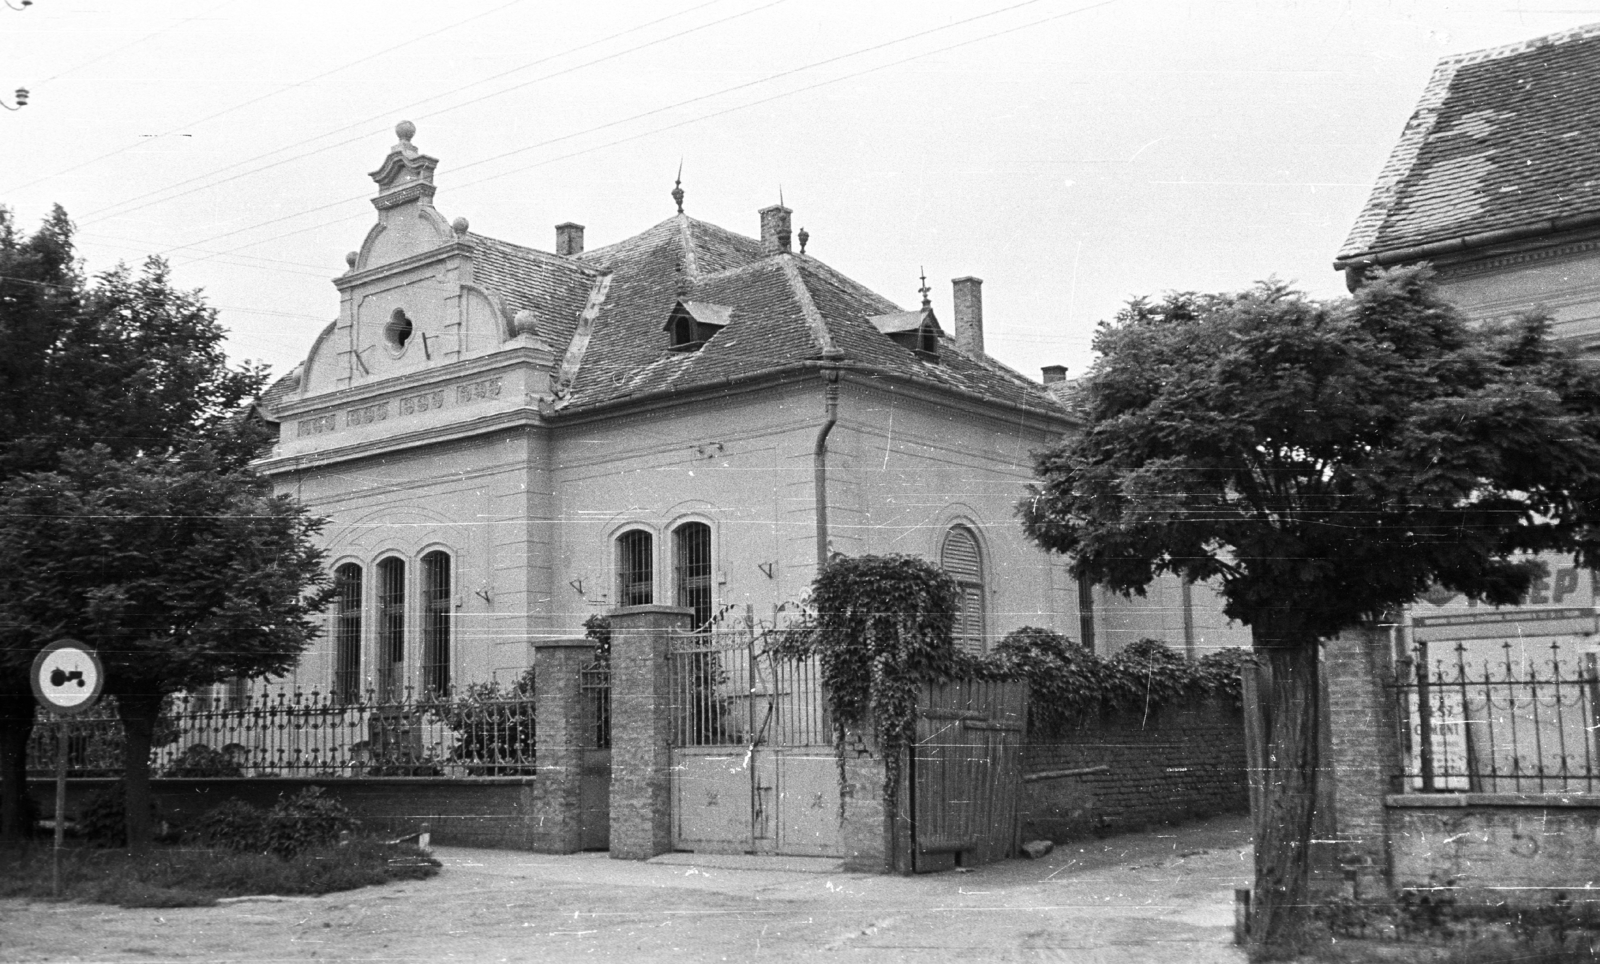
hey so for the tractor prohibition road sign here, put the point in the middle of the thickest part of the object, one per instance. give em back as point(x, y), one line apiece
point(67, 677)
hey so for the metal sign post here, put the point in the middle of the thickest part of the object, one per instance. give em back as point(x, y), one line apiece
point(67, 680)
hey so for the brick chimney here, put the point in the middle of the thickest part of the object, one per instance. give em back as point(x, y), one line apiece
point(969, 314)
point(569, 239)
point(775, 229)
point(1054, 374)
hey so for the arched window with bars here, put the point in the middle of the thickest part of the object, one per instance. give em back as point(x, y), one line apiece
point(391, 629)
point(347, 634)
point(691, 571)
point(636, 570)
point(436, 606)
point(961, 559)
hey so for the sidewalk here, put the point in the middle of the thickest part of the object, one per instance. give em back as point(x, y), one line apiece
point(1147, 897)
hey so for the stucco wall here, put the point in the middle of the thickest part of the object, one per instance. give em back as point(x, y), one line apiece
point(1496, 847)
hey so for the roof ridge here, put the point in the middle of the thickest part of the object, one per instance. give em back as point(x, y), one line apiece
point(578, 348)
point(1584, 32)
point(808, 306)
point(691, 261)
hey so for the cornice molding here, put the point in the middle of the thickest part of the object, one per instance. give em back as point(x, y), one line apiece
point(410, 262)
point(1494, 262)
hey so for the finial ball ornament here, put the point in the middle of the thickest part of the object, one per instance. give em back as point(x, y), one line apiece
point(459, 226)
point(405, 130)
point(350, 259)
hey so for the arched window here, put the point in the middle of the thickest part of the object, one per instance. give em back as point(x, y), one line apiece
point(636, 571)
point(391, 629)
point(691, 570)
point(961, 561)
point(436, 599)
point(347, 634)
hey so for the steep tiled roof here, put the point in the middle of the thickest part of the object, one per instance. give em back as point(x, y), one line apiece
point(1502, 139)
point(784, 309)
point(552, 287)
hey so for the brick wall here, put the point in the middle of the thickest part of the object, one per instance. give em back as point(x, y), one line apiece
point(1180, 763)
point(482, 812)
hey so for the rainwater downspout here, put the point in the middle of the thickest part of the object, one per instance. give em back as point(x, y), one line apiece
point(830, 396)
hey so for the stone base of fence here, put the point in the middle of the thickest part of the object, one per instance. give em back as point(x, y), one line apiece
point(1522, 850)
point(498, 812)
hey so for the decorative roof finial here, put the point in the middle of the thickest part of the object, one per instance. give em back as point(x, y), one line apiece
point(780, 195)
point(925, 289)
point(804, 236)
point(677, 187)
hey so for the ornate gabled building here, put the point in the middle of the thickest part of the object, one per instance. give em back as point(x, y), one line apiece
point(508, 441)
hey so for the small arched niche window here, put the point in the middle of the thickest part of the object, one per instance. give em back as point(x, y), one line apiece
point(691, 571)
point(636, 571)
point(961, 560)
point(391, 629)
point(347, 633)
point(436, 599)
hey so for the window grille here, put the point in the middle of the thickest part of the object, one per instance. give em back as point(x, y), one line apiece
point(347, 634)
point(692, 571)
point(962, 562)
point(391, 628)
point(436, 599)
point(635, 569)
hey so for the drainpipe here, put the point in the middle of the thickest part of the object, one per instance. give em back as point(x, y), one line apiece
point(830, 396)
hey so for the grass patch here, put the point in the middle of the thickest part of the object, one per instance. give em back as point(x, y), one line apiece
point(180, 876)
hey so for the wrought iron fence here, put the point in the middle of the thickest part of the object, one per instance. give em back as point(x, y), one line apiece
point(311, 734)
point(596, 686)
point(1496, 717)
point(730, 689)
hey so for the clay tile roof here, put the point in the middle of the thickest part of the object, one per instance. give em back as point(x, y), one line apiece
point(554, 288)
point(1501, 139)
point(777, 310)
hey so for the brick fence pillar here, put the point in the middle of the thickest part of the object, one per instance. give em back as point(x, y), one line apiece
point(641, 718)
point(559, 717)
point(1358, 666)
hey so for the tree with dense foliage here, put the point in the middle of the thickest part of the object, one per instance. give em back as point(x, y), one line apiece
point(1323, 464)
point(181, 572)
point(124, 362)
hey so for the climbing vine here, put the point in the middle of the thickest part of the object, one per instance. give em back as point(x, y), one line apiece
point(881, 627)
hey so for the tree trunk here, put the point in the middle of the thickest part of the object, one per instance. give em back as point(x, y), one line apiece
point(16, 726)
point(1291, 725)
point(139, 712)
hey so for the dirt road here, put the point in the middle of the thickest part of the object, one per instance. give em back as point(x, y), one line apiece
point(1163, 896)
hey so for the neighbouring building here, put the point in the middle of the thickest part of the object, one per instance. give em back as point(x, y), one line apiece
point(1464, 736)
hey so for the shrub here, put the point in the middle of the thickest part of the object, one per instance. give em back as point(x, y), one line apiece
point(493, 726)
point(103, 817)
point(234, 825)
point(307, 819)
point(200, 760)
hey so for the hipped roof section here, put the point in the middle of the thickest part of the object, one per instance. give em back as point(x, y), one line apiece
point(781, 309)
point(1502, 140)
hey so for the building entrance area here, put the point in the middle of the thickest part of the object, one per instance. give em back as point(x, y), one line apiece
point(753, 768)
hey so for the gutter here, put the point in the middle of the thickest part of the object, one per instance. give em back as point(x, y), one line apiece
point(819, 456)
point(1418, 252)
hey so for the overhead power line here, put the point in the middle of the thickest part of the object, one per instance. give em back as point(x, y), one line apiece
point(660, 110)
point(254, 100)
point(132, 204)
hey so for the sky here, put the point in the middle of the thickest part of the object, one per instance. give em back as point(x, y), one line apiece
point(1071, 153)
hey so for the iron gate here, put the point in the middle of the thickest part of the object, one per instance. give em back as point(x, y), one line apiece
point(753, 768)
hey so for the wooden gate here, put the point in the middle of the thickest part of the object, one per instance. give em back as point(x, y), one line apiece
point(753, 767)
point(966, 773)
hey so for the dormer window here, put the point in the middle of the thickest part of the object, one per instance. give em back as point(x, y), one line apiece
point(916, 331)
point(693, 323)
